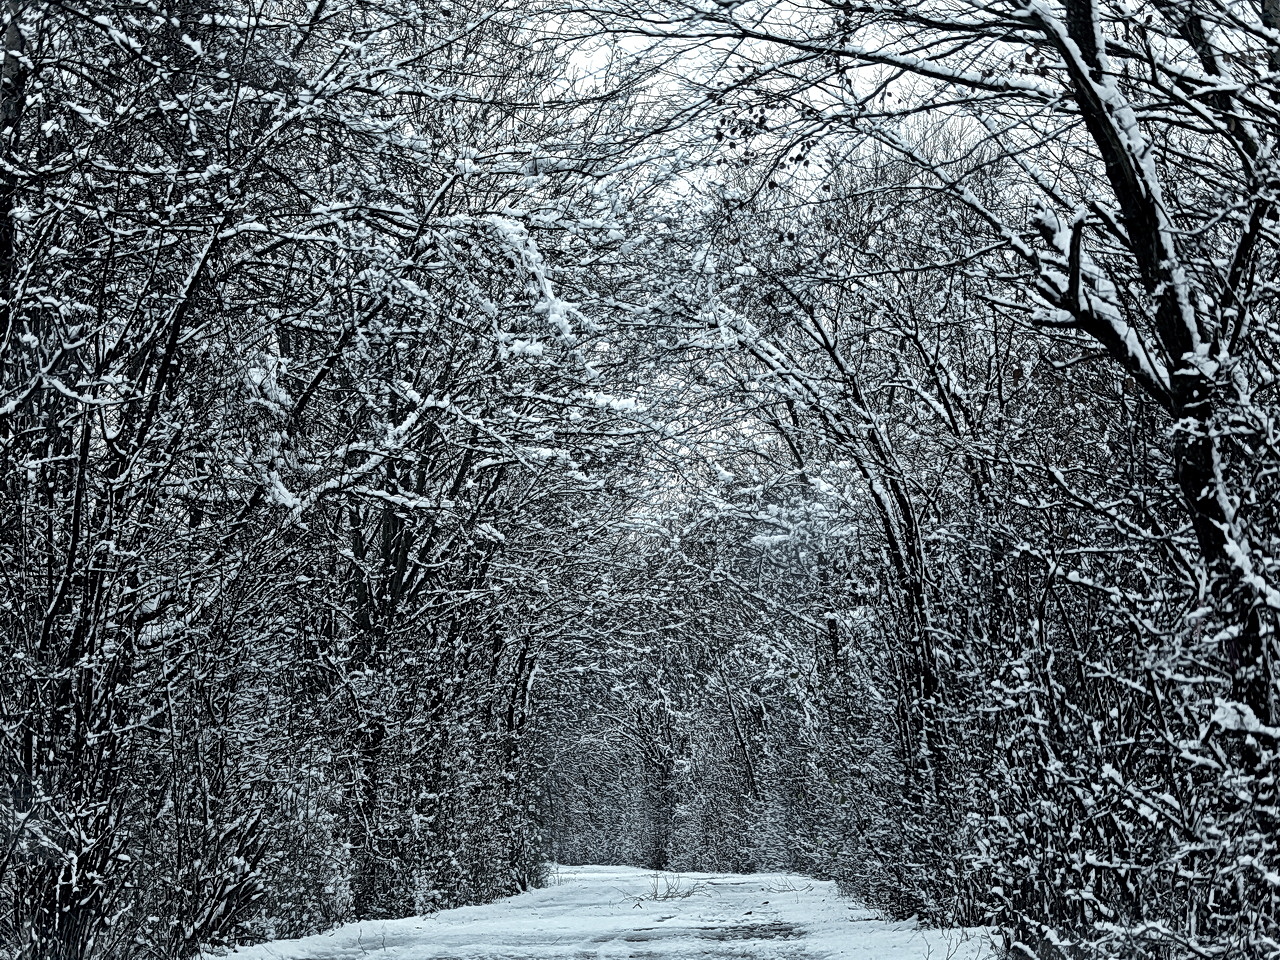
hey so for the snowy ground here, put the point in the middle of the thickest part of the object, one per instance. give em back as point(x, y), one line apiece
point(618, 913)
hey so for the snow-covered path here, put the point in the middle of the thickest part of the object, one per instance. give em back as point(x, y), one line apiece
point(619, 913)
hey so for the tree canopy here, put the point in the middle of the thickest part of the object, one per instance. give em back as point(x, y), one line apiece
point(441, 438)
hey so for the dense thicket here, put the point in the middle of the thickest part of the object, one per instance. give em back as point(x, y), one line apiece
point(436, 438)
point(999, 277)
point(290, 407)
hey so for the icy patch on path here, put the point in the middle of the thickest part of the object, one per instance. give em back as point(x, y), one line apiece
point(620, 913)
